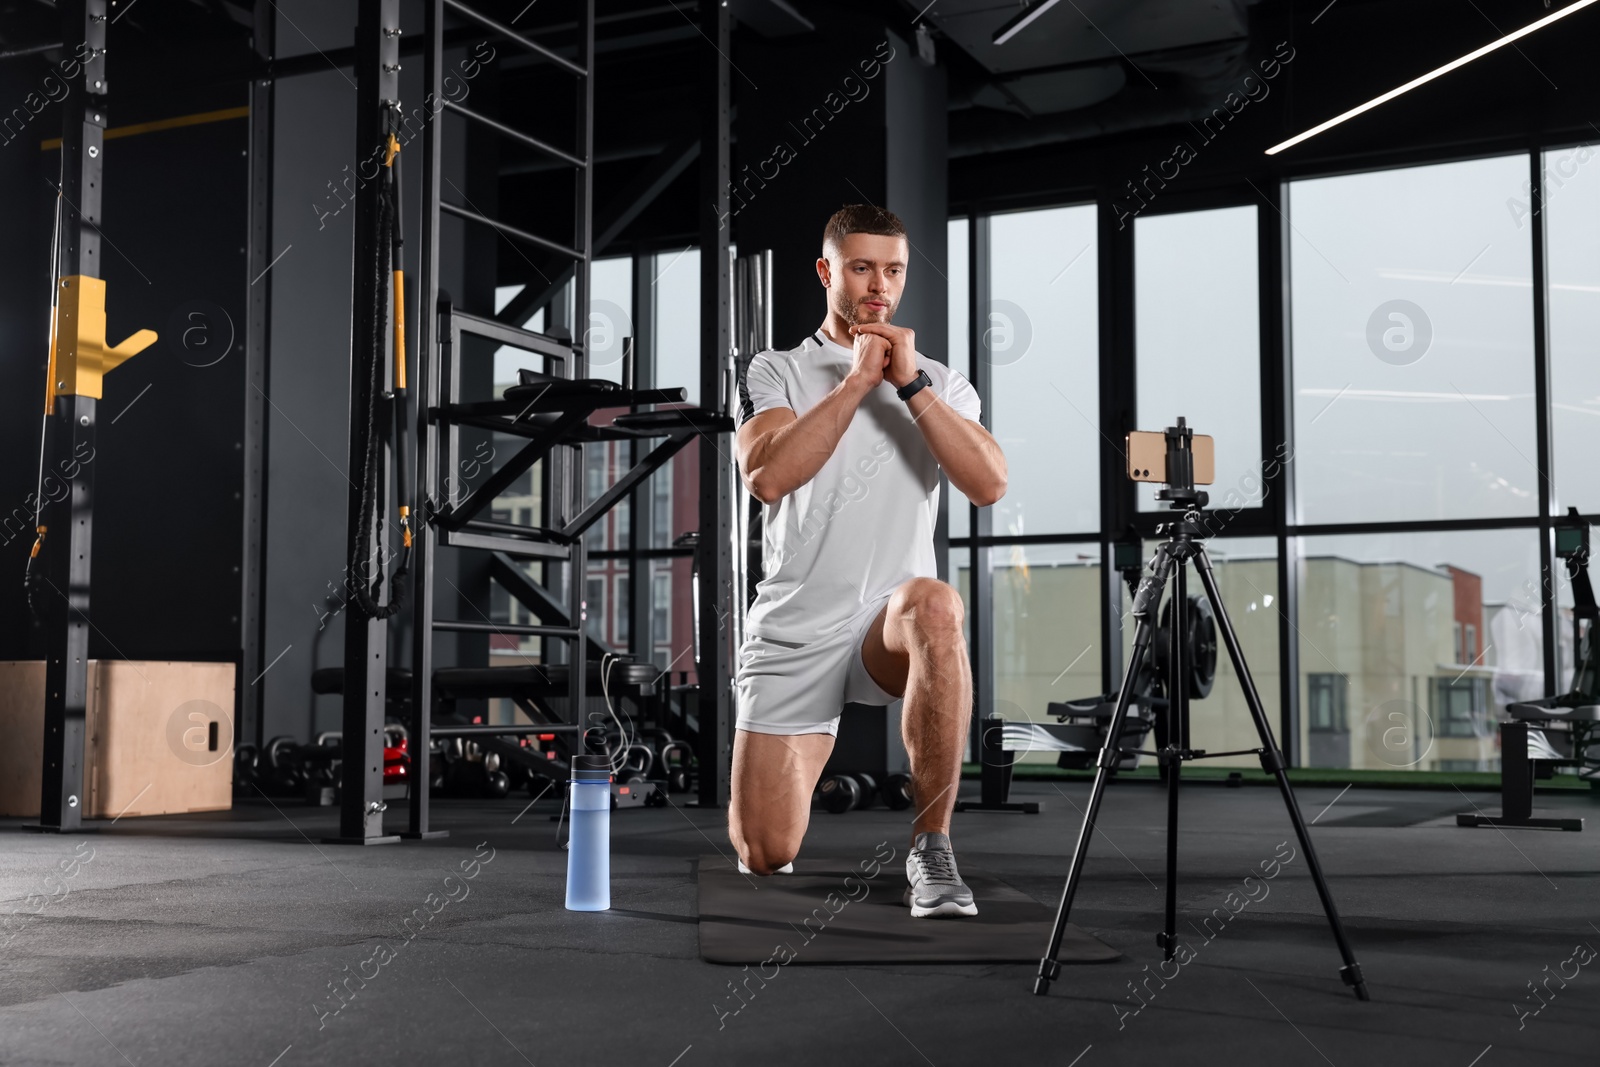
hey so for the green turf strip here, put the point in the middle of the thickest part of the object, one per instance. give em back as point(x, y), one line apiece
point(1387, 779)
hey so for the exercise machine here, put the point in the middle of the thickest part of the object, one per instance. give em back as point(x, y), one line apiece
point(1082, 726)
point(1560, 730)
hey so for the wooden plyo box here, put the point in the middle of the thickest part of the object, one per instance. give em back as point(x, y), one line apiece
point(158, 737)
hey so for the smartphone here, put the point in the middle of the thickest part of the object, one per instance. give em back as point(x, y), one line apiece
point(1147, 457)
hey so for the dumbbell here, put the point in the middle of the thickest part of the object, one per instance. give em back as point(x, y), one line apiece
point(839, 793)
point(842, 792)
point(897, 791)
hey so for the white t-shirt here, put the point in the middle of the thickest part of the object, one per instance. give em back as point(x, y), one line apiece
point(864, 523)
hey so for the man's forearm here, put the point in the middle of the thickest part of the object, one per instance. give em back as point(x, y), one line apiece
point(971, 458)
point(791, 456)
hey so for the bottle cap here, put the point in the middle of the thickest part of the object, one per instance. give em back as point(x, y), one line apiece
point(590, 763)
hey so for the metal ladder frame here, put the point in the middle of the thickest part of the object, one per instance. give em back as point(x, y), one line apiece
point(440, 330)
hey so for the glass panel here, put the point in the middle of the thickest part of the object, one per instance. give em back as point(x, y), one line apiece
point(1412, 336)
point(1382, 614)
point(610, 320)
point(676, 486)
point(604, 462)
point(1571, 219)
point(1043, 348)
point(606, 604)
point(610, 315)
point(959, 295)
point(1247, 577)
point(622, 606)
point(959, 576)
point(675, 497)
point(961, 579)
point(1046, 630)
point(1198, 340)
point(507, 359)
point(596, 605)
point(677, 303)
point(671, 618)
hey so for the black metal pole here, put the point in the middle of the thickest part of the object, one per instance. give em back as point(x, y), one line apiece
point(70, 523)
point(1272, 762)
point(249, 703)
point(1177, 746)
point(365, 637)
point(715, 742)
point(424, 539)
point(67, 519)
point(1544, 444)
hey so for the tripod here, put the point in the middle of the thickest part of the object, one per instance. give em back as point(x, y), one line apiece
point(1185, 542)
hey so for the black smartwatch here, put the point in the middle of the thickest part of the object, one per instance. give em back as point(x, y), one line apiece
point(915, 385)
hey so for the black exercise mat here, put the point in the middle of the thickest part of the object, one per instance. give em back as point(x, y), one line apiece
point(788, 918)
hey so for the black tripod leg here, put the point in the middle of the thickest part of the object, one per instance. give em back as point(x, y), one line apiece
point(1273, 763)
point(1177, 715)
point(1109, 755)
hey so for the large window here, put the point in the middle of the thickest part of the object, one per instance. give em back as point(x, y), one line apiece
point(610, 316)
point(1046, 629)
point(1572, 262)
point(1197, 331)
point(1572, 259)
point(1412, 333)
point(1246, 569)
point(677, 300)
point(1042, 343)
point(1382, 613)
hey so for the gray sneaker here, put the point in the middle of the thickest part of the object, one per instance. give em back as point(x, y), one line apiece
point(936, 889)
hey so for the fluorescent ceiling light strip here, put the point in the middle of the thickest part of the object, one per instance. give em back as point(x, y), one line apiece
point(1432, 74)
point(1023, 19)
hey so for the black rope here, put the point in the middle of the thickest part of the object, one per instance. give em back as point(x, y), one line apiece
point(365, 594)
point(30, 579)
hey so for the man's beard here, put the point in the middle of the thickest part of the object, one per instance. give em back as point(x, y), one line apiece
point(850, 311)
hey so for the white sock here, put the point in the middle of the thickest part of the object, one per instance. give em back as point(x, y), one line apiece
point(787, 868)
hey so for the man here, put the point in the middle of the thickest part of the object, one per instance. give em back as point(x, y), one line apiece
point(842, 439)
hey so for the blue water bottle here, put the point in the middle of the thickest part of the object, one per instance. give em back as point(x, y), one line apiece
point(589, 845)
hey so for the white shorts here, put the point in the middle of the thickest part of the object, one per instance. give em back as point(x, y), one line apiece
point(784, 688)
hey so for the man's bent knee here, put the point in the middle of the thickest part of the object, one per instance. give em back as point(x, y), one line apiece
point(765, 857)
point(932, 608)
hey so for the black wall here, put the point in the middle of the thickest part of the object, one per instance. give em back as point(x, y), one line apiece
point(168, 457)
point(168, 544)
point(875, 140)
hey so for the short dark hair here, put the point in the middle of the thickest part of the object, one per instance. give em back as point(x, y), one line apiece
point(861, 218)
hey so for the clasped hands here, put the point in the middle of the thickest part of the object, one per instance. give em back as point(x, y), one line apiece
point(885, 353)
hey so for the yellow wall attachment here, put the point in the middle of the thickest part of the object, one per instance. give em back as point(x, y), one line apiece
point(82, 358)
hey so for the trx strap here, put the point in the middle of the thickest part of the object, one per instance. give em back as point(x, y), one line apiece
point(388, 292)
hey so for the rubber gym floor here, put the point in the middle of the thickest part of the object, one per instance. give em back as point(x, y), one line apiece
point(214, 939)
